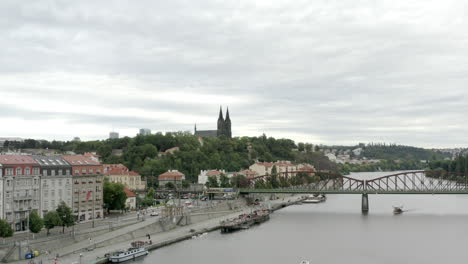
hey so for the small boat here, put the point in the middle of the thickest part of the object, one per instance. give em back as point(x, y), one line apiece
point(305, 262)
point(130, 254)
point(315, 199)
point(397, 209)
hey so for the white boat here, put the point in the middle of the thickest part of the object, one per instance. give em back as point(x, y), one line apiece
point(130, 254)
point(315, 199)
point(305, 262)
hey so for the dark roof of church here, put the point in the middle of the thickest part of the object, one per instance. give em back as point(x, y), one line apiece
point(206, 133)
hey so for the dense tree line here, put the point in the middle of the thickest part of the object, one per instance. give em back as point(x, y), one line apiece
point(384, 165)
point(400, 152)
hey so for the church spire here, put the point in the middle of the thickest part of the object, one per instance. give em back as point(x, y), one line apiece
point(227, 114)
point(220, 113)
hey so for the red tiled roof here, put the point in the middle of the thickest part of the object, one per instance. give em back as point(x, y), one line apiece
point(171, 175)
point(129, 193)
point(77, 160)
point(213, 173)
point(115, 169)
point(16, 159)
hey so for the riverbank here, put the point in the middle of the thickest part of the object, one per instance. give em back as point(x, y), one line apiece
point(201, 222)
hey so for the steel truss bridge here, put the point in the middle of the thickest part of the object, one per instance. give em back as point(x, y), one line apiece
point(413, 182)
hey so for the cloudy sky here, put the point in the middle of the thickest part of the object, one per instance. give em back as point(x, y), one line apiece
point(330, 72)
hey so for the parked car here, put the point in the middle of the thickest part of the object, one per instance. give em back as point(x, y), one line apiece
point(154, 213)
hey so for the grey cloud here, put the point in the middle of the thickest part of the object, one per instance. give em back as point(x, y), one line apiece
point(341, 71)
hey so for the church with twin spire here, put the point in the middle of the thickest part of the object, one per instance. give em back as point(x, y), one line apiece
point(223, 129)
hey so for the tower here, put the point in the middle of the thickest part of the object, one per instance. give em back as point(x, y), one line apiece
point(220, 130)
point(227, 125)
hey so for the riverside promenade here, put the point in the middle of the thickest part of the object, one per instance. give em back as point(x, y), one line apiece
point(105, 243)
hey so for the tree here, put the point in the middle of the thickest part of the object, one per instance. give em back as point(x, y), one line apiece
point(185, 184)
point(212, 182)
point(35, 222)
point(66, 215)
point(151, 193)
point(170, 185)
point(5, 229)
point(274, 178)
point(114, 196)
point(51, 220)
point(224, 181)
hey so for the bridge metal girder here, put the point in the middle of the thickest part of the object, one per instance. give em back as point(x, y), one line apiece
point(416, 182)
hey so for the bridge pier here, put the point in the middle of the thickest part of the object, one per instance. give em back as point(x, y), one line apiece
point(365, 203)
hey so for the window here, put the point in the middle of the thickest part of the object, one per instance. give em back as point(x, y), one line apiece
point(52, 172)
point(52, 193)
point(7, 194)
point(98, 171)
point(18, 171)
point(36, 171)
point(46, 193)
point(44, 172)
point(9, 171)
point(27, 171)
point(8, 183)
point(35, 181)
point(59, 172)
point(83, 171)
point(77, 171)
point(60, 182)
point(91, 171)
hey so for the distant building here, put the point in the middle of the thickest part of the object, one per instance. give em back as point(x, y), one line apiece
point(76, 139)
point(130, 203)
point(145, 131)
point(173, 176)
point(284, 168)
point(113, 135)
point(121, 174)
point(223, 127)
point(204, 174)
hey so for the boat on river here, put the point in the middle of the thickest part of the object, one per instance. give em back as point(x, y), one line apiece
point(245, 221)
point(129, 254)
point(315, 199)
point(397, 209)
point(305, 262)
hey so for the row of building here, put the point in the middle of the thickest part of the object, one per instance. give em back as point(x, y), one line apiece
point(33, 182)
point(259, 169)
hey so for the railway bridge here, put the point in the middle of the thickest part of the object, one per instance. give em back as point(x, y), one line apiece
point(412, 182)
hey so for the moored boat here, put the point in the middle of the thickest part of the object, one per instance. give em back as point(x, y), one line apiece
point(315, 199)
point(397, 209)
point(130, 254)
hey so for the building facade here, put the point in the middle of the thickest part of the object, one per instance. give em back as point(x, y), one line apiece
point(56, 183)
point(121, 174)
point(145, 131)
point(113, 135)
point(223, 127)
point(174, 176)
point(283, 168)
point(21, 189)
point(130, 203)
point(87, 176)
point(204, 174)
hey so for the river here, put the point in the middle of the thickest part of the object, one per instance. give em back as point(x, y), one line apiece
point(433, 230)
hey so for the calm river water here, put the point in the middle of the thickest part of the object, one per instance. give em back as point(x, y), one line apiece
point(434, 230)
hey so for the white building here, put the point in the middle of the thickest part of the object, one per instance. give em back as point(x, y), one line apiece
point(56, 183)
point(113, 135)
point(283, 168)
point(204, 174)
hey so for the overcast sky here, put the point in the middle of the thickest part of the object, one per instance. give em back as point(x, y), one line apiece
point(325, 72)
